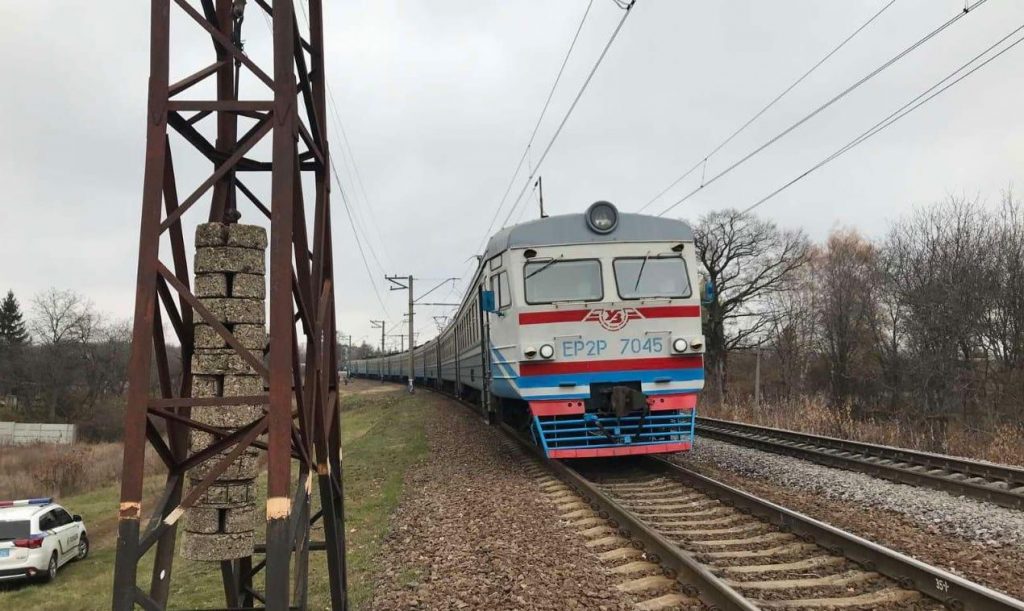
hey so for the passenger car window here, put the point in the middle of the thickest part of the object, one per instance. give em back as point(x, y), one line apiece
point(47, 521)
point(14, 529)
point(640, 277)
point(63, 517)
point(559, 280)
point(504, 295)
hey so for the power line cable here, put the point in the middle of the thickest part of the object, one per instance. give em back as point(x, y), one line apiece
point(827, 104)
point(704, 160)
point(901, 112)
point(355, 232)
point(358, 175)
point(536, 126)
point(627, 12)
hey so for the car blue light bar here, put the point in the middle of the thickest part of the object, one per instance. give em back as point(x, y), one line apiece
point(26, 502)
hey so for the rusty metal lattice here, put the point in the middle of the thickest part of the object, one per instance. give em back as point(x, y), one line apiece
point(299, 428)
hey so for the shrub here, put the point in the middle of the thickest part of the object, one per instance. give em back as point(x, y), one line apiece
point(1004, 444)
point(58, 470)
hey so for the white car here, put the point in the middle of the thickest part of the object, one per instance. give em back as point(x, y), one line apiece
point(37, 537)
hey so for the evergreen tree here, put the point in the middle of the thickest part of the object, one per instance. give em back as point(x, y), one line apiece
point(12, 327)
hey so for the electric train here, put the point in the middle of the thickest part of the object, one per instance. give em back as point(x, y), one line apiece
point(581, 330)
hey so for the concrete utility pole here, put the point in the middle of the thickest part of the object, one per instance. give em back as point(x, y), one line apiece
point(346, 355)
point(397, 282)
point(412, 342)
point(539, 185)
point(380, 324)
point(405, 283)
point(757, 379)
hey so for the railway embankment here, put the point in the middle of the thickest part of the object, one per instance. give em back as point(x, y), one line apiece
point(977, 540)
point(474, 530)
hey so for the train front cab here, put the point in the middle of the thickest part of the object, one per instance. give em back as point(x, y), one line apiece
point(597, 347)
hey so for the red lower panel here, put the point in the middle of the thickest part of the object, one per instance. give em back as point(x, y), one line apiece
point(668, 402)
point(656, 448)
point(562, 407)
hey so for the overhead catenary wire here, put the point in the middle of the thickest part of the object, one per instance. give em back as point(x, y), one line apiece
point(702, 163)
point(827, 104)
point(355, 233)
point(536, 127)
point(344, 197)
point(628, 10)
point(922, 99)
point(355, 177)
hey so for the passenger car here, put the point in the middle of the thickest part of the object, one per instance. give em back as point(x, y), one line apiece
point(37, 537)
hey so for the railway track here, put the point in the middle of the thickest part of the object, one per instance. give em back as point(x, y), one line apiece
point(706, 544)
point(998, 484)
point(731, 550)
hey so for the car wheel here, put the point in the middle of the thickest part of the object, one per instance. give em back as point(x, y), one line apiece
point(83, 548)
point(51, 569)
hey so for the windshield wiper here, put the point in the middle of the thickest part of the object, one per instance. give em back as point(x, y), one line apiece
point(640, 273)
point(541, 268)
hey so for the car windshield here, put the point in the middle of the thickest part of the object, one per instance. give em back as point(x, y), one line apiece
point(14, 529)
point(640, 277)
point(557, 280)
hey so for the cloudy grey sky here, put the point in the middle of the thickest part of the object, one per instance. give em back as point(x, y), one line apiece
point(438, 100)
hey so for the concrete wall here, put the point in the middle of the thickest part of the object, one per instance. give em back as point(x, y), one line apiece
point(29, 432)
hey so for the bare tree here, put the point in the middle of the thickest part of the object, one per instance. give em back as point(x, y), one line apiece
point(889, 330)
point(104, 362)
point(748, 260)
point(848, 280)
point(62, 322)
point(943, 273)
point(61, 317)
point(1004, 332)
point(794, 324)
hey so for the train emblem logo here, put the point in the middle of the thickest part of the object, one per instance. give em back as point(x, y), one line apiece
point(613, 320)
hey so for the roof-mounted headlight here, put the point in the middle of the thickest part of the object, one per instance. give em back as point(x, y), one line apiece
point(602, 217)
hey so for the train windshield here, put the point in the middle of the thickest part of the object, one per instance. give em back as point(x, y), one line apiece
point(558, 280)
point(642, 277)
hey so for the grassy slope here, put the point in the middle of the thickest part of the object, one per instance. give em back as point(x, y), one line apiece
point(383, 435)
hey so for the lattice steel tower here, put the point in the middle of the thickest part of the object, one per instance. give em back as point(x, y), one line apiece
point(242, 392)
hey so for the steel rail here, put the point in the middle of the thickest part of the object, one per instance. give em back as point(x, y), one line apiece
point(1000, 484)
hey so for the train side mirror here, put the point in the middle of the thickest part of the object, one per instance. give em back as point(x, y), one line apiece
point(487, 301)
point(709, 291)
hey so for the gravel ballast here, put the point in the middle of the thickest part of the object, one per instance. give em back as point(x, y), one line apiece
point(472, 531)
point(980, 541)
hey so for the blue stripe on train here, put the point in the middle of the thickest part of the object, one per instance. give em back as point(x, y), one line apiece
point(655, 375)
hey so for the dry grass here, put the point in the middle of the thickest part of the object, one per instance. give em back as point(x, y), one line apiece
point(1003, 444)
point(43, 469)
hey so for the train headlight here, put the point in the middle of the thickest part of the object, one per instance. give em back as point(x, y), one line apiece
point(529, 352)
point(547, 351)
point(697, 343)
point(602, 217)
point(679, 345)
